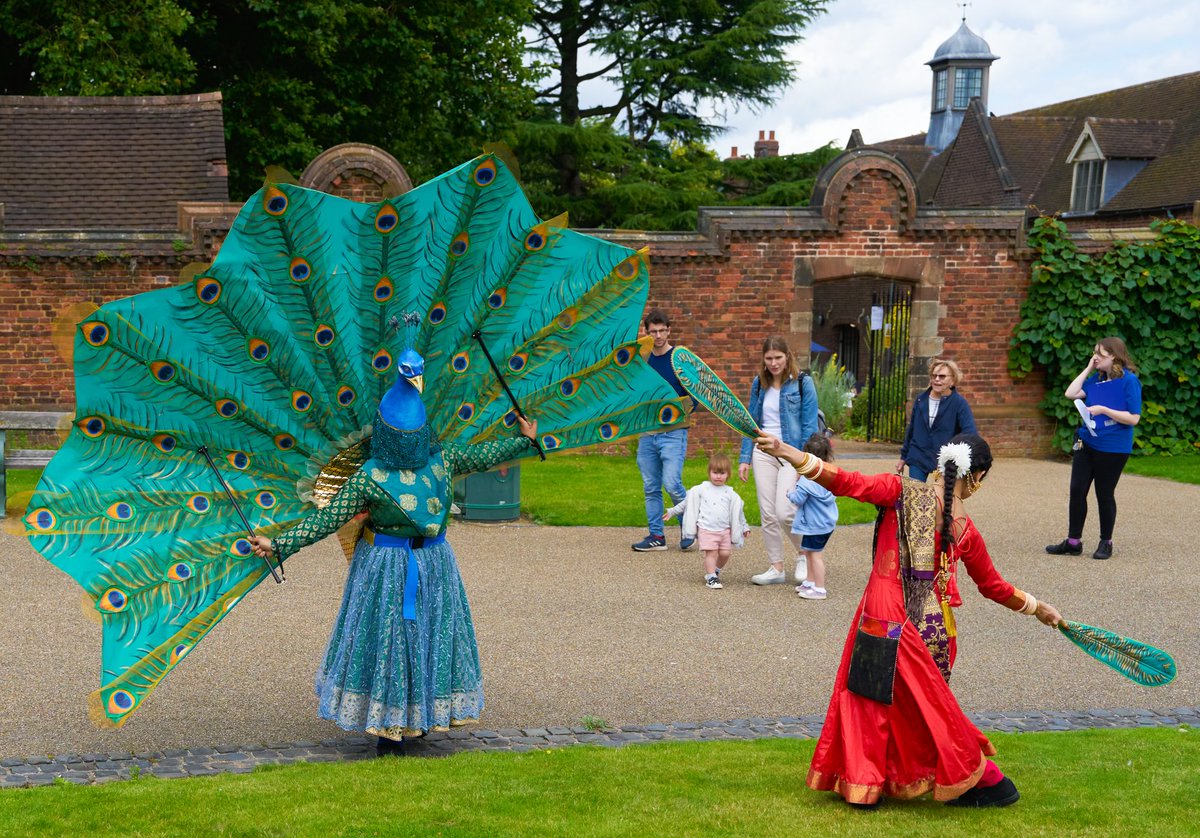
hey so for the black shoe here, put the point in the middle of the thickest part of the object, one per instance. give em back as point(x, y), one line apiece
point(1004, 793)
point(1064, 548)
point(385, 747)
point(1104, 551)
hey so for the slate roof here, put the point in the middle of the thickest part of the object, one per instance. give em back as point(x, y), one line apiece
point(1158, 121)
point(108, 163)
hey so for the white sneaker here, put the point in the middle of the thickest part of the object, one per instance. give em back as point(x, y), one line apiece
point(805, 584)
point(713, 582)
point(770, 576)
point(801, 568)
point(812, 593)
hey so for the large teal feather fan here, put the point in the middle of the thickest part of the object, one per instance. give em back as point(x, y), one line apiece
point(275, 358)
point(1139, 662)
point(706, 387)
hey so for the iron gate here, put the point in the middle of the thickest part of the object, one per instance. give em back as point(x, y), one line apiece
point(887, 370)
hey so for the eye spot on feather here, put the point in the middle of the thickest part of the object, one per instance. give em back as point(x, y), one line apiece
point(120, 511)
point(164, 443)
point(92, 426)
point(437, 313)
point(628, 269)
point(275, 202)
point(550, 442)
point(285, 442)
point(346, 395)
point(465, 412)
point(568, 318)
point(623, 356)
point(386, 219)
point(120, 702)
point(178, 652)
point(510, 419)
point(240, 547)
point(460, 362)
point(535, 241)
point(498, 297)
point(258, 350)
point(302, 402)
point(266, 500)
point(96, 334)
point(227, 408)
point(179, 572)
point(199, 504)
point(239, 460)
point(569, 387)
point(113, 601)
point(460, 245)
point(384, 289)
point(669, 414)
point(382, 361)
point(608, 430)
point(41, 520)
point(163, 371)
point(208, 290)
point(485, 173)
point(517, 362)
point(300, 270)
point(324, 335)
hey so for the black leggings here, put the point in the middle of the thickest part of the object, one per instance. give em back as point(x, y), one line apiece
point(1103, 468)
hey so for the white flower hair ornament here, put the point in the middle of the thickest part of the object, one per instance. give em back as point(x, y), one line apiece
point(958, 453)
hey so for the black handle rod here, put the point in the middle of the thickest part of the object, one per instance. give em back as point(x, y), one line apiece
point(479, 337)
point(203, 449)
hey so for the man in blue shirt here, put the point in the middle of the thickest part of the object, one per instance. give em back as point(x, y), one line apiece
point(660, 455)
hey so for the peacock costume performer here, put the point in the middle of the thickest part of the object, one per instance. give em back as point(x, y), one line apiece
point(279, 370)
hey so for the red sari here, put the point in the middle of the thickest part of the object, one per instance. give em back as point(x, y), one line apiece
point(922, 741)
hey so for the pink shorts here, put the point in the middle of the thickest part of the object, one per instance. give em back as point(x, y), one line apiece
point(709, 540)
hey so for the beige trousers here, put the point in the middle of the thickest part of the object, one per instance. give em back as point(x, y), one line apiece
point(774, 480)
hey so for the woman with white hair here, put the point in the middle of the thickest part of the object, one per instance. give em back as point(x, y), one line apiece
point(938, 415)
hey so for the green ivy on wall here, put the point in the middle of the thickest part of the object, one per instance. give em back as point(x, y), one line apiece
point(1147, 293)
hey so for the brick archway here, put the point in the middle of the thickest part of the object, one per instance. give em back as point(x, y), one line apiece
point(358, 171)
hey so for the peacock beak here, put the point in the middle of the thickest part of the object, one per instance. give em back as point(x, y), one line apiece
point(418, 381)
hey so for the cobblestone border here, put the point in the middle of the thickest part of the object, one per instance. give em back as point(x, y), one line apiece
point(172, 763)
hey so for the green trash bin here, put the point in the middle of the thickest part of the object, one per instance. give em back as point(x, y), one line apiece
point(490, 495)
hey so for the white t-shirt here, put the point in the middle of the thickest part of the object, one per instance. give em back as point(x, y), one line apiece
point(933, 409)
point(771, 423)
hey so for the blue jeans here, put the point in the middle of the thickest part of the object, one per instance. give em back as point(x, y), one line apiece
point(917, 474)
point(660, 459)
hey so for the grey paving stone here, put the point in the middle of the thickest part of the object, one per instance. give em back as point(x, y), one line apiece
point(536, 731)
point(559, 730)
point(491, 734)
point(510, 732)
point(11, 761)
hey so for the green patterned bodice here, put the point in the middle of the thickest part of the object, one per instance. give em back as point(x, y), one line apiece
point(403, 502)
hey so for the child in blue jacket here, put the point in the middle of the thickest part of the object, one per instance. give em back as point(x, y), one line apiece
point(816, 516)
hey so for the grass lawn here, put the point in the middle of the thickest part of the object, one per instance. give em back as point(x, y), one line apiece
point(1085, 783)
point(576, 490)
point(1184, 468)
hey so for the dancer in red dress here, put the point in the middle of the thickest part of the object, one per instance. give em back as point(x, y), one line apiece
point(893, 727)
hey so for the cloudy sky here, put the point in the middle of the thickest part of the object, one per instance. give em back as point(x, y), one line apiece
point(862, 64)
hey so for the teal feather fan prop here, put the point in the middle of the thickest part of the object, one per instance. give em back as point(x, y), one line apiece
point(274, 360)
point(706, 387)
point(1137, 661)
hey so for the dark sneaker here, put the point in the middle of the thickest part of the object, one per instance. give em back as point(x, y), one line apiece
point(1004, 793)
point(1064, 548)
point(1104, 551)
point(685, 543)
point(651, 543)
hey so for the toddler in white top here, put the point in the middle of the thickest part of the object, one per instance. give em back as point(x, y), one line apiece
point(715, 516)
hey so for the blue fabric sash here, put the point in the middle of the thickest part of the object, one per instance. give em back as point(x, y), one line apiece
point(405, 543)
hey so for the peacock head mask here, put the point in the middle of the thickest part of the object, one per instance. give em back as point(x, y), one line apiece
point(401, 437)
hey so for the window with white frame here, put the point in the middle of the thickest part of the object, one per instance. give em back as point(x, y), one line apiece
point(968, 83)
point(939, 90)
point(1089, 181)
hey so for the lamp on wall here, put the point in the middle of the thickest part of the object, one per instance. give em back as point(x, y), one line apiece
point(822, 318)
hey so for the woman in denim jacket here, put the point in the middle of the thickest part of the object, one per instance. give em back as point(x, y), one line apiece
point(783, 398)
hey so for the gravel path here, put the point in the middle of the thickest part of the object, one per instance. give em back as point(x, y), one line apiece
point(572, 623)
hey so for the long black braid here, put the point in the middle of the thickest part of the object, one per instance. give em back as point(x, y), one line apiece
point(981, 463)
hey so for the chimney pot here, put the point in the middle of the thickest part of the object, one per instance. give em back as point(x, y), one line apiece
point(762, 135)
point(733, 153)
point(772, 135)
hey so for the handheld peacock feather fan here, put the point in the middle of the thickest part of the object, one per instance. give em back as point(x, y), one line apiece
point(1137, 661)
point(706, 387)
point(273, 361)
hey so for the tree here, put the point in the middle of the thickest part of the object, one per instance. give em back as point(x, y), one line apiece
point(668, 59)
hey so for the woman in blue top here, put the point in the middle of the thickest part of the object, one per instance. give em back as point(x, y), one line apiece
point(938, 415)
point(783, 398)
point(1113, 396)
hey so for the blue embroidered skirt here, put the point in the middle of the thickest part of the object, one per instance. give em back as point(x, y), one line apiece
point(391, 677)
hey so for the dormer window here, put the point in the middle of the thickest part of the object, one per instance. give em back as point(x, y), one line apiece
point(1088, 185)
point(939, 90)
point(968, 83)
